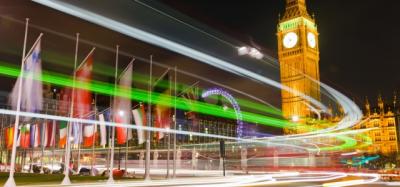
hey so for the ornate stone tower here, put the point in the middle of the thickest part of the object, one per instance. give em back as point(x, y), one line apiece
point(298, 53)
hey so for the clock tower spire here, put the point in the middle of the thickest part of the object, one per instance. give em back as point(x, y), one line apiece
point(295, 8)
point(298, 54)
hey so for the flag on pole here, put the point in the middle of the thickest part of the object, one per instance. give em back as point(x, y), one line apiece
point(63, 134)
point(139, 115)
point(122, 105)
point(89, 131)
point(32, 95)
point(63, 110)
point(9, 138)
point(77, 133)
point(48, 133)
point(162, 109)
point(83, 97)
point(34, 135)
point(24, 141)
point(83, 101)
point(103, 131)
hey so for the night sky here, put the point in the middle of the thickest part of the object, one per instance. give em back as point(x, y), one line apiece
point(358, 39)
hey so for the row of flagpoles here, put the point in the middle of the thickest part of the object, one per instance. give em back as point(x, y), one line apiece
point(27, 95)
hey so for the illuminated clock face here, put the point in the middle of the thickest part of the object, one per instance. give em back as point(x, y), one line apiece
point(290, 40)
point(311, 40)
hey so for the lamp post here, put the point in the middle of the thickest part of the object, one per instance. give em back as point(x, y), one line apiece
point(250, 51)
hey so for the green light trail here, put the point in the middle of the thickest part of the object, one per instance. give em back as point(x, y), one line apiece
point(166, 100)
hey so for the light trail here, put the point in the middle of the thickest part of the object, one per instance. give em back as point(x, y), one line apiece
point(373, 178)
point(50, 57)
point(352, 113)
point(168, 44)
point(131, 126)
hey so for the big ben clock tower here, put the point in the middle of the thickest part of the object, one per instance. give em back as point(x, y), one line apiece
point(299, 60)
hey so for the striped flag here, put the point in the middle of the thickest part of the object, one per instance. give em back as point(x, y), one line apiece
point(9, 138)
point(63, 134)
point(34, 135)
point(89, 134)
point(24, 141)
point(103, 131)
point(139, 116)
point(49, 133)
point(122, 105)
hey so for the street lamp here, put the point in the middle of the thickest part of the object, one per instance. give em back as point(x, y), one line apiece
point(252, 52)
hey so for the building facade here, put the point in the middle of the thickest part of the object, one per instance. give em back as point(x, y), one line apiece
point(298, 54)
point(382, 121)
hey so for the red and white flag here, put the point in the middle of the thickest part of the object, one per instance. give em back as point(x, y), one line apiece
point(122, 105)
point(103, 131)
point(139, 116)
point(83, 101)
point(49, 133)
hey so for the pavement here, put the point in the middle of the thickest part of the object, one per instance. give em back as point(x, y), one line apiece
point(275, 179)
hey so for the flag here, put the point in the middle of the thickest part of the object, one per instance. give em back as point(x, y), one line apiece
point(34, 135)
point(24, 140)
point(63, 134)
point(162, 109)
point(49, 133)
point(76, 132)
point(83, 100)
point(139, 116)
point(83, 97)
point(122, 105)
point(9, 138)
point(103, 131)
point(89, 135)
point(32, 93)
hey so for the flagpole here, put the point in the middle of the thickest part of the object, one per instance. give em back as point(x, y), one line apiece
point(66, 180)
point(79, 146)
point(44, 129)
point(110, 176)
point(94, 135)
point(10, 181)
point(127, 129)
point(1, 139)
point(126, 152)
point(53, 137)
point(174, 118)
point(149, 122)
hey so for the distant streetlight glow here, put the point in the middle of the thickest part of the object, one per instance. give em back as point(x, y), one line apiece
point(295, 118)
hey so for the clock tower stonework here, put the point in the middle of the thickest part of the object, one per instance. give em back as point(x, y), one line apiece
point(298, 54)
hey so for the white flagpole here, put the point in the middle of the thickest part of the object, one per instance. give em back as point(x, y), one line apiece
point(110, 176)
point(66, 180)
point(174, 118)
point(10, 181)
point(53, 143)
point(127, 129)
point(94, 135)
point(79, 146)
point(44, 132)
point(149, 122)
